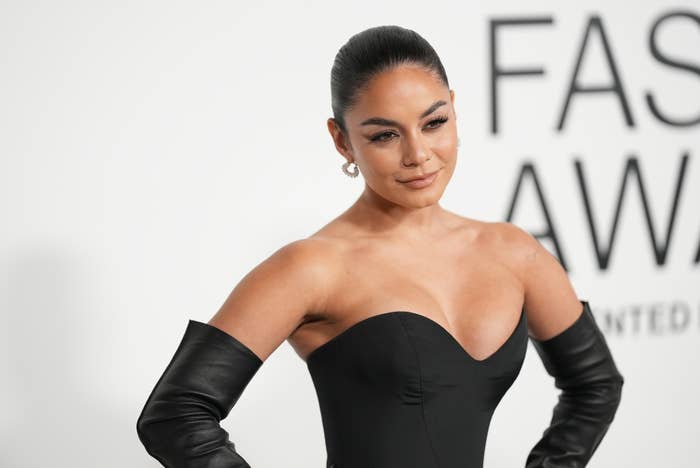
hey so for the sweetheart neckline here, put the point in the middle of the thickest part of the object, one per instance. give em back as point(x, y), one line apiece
point(454, 340)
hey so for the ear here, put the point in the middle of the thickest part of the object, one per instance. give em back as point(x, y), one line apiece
point(341, 142)
point(452, 100)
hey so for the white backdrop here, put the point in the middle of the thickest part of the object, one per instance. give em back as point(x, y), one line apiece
point(154, 152)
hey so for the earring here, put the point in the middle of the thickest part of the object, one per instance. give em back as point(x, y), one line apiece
point(355, 172)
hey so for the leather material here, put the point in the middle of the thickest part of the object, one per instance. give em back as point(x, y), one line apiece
point(180, 423)
point(591, 388)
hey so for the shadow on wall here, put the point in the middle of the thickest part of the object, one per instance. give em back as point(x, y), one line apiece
point(57, 347)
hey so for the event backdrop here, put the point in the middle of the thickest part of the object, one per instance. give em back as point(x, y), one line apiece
point(152, 153)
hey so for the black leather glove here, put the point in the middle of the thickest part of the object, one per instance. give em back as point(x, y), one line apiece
point(583, 368)
point(179, 424)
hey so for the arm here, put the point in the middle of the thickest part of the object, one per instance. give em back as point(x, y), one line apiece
point(574, 352)
point(180, 423)
point(591, 389)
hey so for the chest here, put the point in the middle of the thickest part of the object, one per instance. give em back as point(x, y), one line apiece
point(476, 300)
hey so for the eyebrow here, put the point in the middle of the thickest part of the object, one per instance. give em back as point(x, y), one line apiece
point(383, 121)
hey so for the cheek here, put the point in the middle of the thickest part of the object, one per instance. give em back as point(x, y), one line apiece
point(381, 165)
point(446, 143)
point(447, 148)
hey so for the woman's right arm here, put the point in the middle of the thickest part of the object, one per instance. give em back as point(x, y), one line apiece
point(180, 423)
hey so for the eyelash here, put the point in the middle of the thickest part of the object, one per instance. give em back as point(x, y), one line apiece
point(440, 120)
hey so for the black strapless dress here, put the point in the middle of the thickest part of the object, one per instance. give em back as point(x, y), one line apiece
point(397, 390)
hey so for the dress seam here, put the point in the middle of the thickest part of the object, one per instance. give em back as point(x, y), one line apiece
point(422, 401)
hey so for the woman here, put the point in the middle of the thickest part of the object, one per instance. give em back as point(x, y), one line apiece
point(413, 321)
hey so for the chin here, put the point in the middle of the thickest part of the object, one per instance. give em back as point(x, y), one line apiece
point(423, 204)
point(421, 198)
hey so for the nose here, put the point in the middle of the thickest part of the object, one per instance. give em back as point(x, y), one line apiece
point(415, 152)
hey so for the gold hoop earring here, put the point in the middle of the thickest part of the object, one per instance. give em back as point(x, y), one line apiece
point(355, 172)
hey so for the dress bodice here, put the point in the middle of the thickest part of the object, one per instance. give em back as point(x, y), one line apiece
point(397, 390)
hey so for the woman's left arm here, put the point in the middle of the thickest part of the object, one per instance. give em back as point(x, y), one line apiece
point(574, 351)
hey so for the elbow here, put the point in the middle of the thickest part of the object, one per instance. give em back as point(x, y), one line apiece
point(611, 391)
point(610, 398)
point(603, 399)
point(160, 437)
point(146, 431)
point(595, 399)
point(156, 431)
point(617, 382)
point(176, 431)
point(613, 384)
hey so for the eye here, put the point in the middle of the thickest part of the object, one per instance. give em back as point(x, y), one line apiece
point(432, 125)
point(435, 123)
point(379, 136)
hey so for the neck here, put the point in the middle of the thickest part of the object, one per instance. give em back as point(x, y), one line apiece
point(378, 215)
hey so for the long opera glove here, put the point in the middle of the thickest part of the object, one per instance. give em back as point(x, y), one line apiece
point(591, 388)
point(180, 423)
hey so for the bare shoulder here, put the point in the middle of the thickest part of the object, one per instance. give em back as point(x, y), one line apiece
point(507, 242)
point(273, 299)
point(309, 258)
point(523, 253)
point(551, 303)
point(515, 244)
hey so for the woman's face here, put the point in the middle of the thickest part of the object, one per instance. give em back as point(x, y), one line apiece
point(402, 127)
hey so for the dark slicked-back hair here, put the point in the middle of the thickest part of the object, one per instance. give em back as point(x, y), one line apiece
point(370, 52)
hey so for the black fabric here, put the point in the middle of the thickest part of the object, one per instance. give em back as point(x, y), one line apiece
point(397, 390)
point(179, 424)
point(591, 390)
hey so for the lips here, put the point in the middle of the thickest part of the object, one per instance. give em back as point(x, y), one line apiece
point(425, 176)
